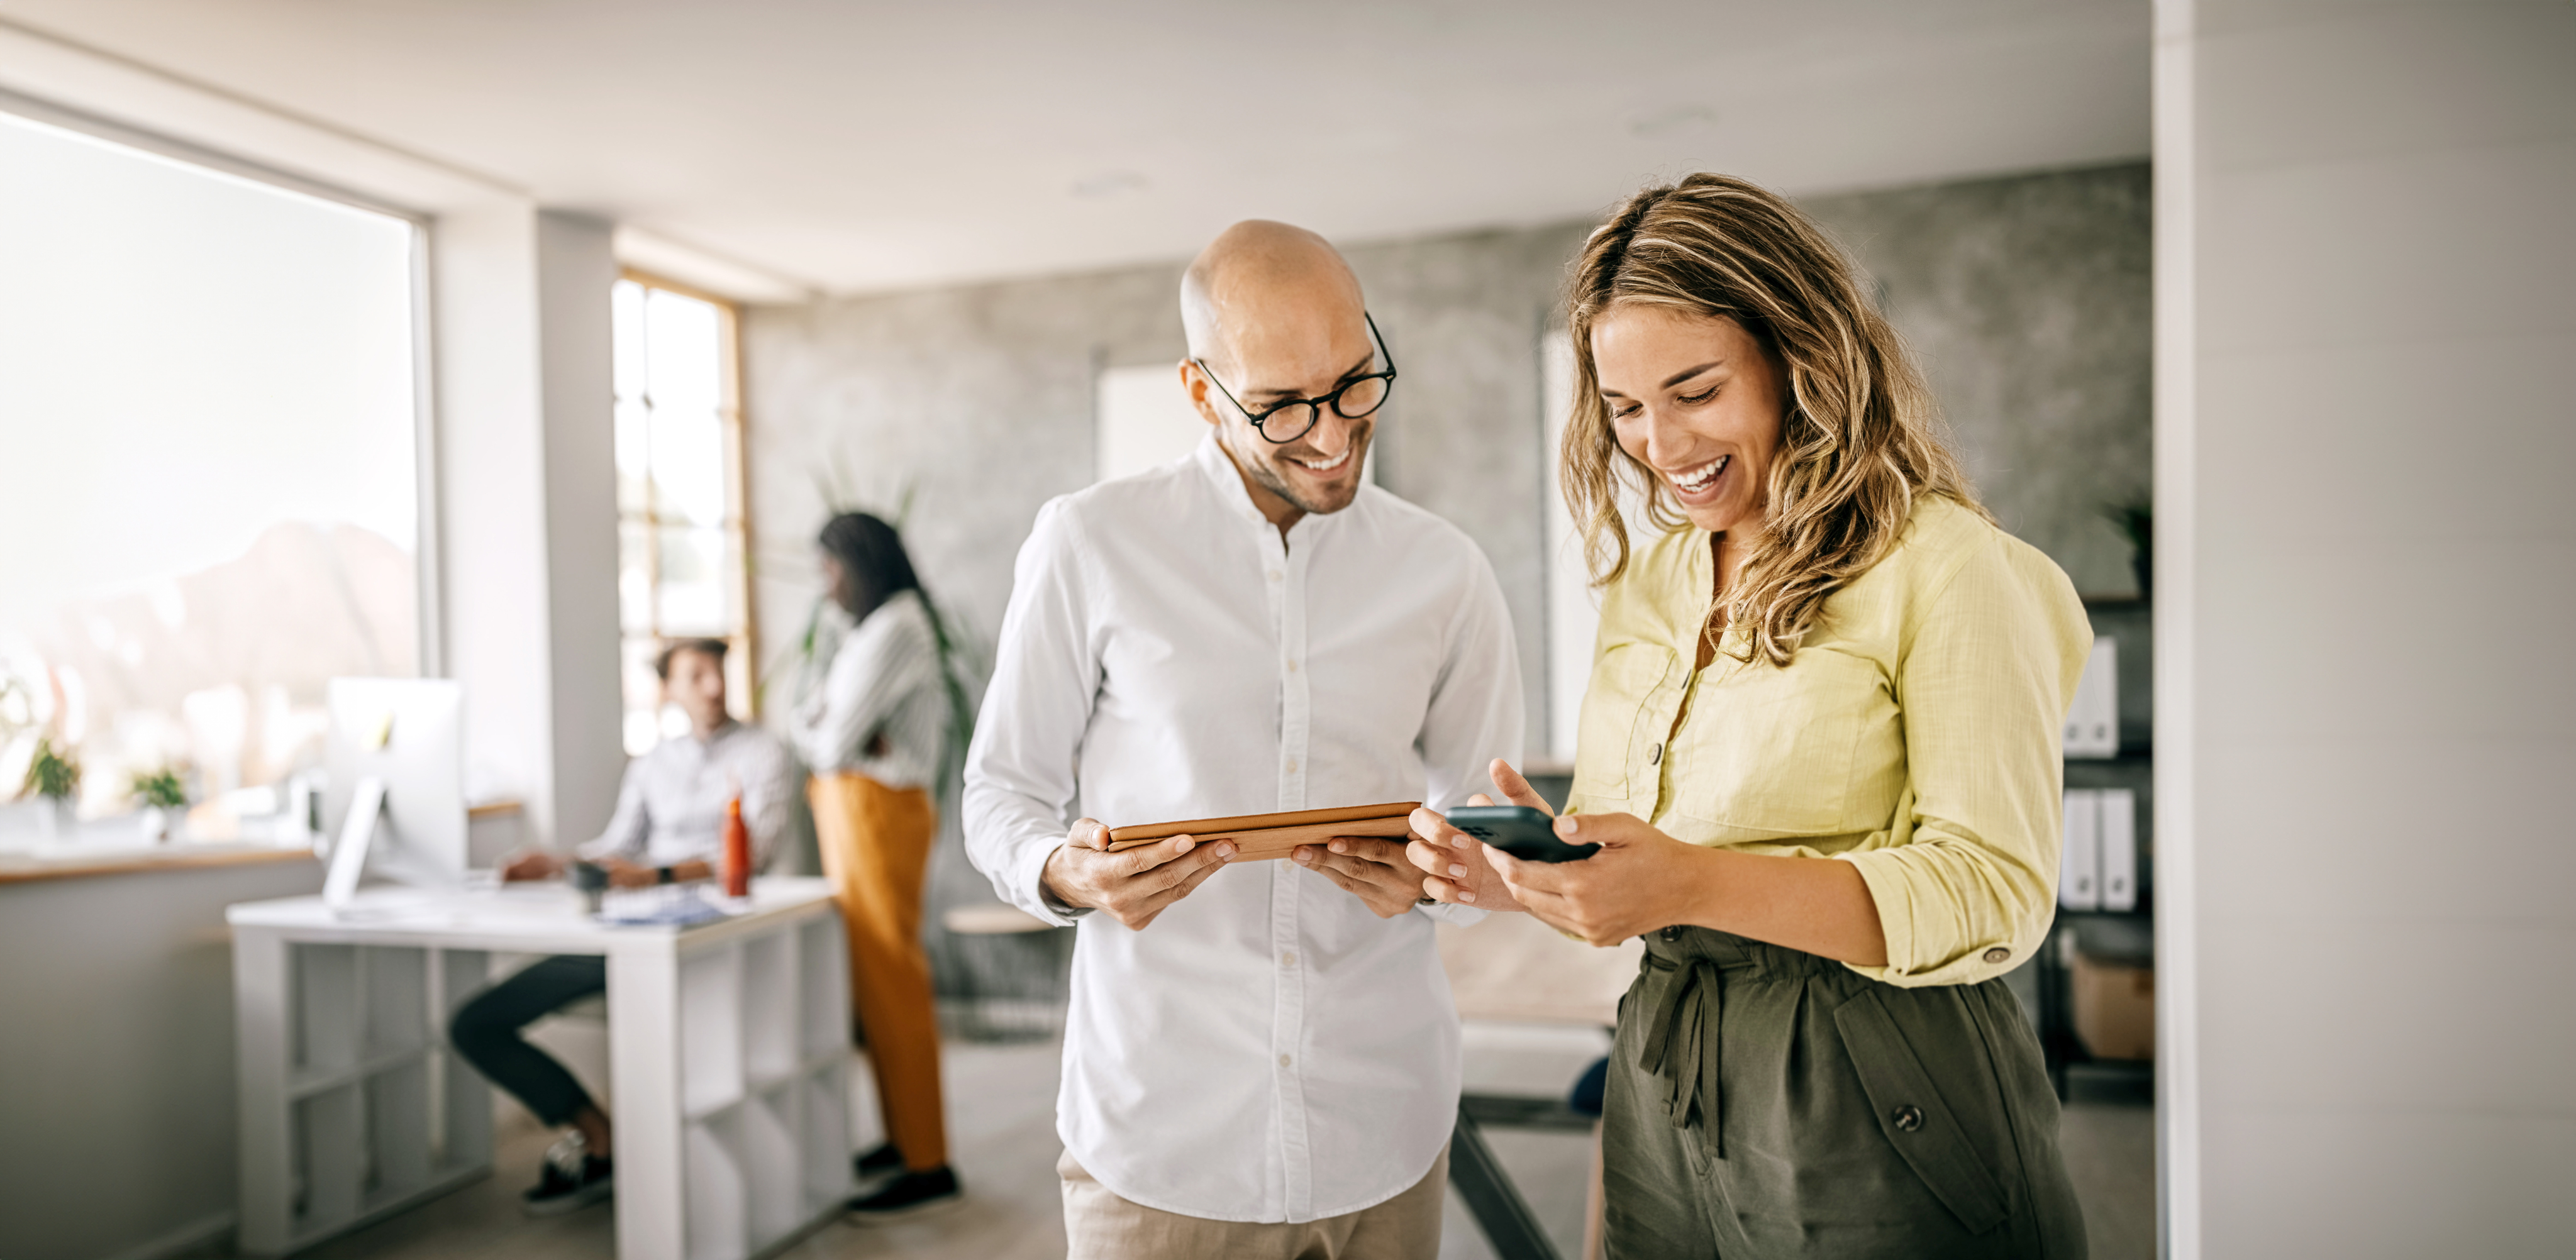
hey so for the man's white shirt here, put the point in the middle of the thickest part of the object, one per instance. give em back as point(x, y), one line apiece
point(1268, 1049)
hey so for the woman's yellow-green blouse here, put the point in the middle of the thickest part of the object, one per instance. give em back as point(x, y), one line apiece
point(1915, 735)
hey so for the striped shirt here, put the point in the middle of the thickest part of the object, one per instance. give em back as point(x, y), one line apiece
point(882, 710)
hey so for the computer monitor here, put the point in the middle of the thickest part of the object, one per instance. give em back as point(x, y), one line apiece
point(395, 751)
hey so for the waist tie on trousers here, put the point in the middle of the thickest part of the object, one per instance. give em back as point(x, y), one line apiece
point(1684, 999)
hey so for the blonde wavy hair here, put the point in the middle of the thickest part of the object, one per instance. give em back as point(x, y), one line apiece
point(1860, 437)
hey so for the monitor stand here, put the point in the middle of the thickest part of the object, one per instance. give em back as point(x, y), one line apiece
point(357, 834)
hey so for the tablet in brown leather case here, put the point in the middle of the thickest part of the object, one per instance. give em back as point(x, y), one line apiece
point(1258, 837)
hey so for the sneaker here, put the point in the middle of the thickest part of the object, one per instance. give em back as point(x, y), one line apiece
point(885, 1160)
point(911, 1194)
point(573, 1179)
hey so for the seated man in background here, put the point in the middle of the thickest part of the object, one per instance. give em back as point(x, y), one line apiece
point(668, 828)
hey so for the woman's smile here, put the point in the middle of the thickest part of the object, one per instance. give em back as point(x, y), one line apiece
point(1699, 484)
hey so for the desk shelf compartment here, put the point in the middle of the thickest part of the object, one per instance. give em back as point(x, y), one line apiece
point(764, 1053)
point(381, 1113)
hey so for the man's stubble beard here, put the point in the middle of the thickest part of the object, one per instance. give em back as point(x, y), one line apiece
point(1268, 476)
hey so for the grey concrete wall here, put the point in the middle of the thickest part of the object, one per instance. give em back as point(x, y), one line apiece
point(2029, 296)
point(2028, 301)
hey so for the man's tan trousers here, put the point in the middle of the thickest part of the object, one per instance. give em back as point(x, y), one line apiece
point(1098, 1225)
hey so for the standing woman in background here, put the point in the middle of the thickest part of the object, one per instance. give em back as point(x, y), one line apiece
point(1820, 754)
point(875, 734)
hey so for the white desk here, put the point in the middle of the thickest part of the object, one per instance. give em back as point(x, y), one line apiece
point(728, 1049)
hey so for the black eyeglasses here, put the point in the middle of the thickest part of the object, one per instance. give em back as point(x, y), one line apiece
point(1357, 398)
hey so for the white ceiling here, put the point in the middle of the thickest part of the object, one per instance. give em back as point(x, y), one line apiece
point(865, 146)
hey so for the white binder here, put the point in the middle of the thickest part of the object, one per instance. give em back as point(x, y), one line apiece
point(2119, 849)
point(2079, 872)
point(2093, 720)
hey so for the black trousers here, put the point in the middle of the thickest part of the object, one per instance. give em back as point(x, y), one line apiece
point(486, 1031)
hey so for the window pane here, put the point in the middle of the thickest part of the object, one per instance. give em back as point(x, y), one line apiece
point(634, 457)
point(683, 352)
point(688, 467)
point(697, 580)
point(626, 314)
point(206, 386)
point(635, 577)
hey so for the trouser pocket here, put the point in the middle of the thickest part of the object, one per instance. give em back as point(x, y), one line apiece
point(1914, 1116)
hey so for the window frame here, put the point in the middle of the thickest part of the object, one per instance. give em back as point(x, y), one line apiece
point(741, 677)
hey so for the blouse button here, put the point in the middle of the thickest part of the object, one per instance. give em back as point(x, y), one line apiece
point(1655, 755)
point(1998, 954)
point(1908, 1117)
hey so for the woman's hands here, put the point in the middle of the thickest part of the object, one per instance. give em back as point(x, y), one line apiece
point(1643, 880)
point(1640, 881)
point(1455, 861)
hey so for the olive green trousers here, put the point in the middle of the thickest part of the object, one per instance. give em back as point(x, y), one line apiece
point(1764, 1103)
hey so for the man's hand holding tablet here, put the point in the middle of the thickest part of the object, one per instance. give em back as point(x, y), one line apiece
point(1134, 884)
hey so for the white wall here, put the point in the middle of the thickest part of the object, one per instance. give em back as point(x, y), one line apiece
point(2367, 706)
point(117, 1116)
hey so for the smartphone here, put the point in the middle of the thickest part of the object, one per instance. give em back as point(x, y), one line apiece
point(1525, 833)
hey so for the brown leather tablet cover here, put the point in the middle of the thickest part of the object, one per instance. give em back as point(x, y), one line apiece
point(1258, 837)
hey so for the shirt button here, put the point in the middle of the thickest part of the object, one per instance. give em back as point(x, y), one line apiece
point(1673, 933)
point(1292, 765)
point(1908, 1117)
point(1655, 755)
point(1283, 1060)
point(1288, 959)
point(1275, 575)
point(1292, 667)
point(1998, 954)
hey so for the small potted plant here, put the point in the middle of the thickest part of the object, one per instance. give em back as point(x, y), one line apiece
point(163, 797)
point(54, 778)
point(2136, 522)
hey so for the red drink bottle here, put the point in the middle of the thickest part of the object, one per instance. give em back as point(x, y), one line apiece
point(737, 851)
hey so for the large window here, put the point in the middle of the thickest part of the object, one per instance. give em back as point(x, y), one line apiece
point(209, 479)
point(681, 571)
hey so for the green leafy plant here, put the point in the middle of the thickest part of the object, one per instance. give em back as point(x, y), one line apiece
point(54, 774)
point(161, 788)
point(2136, 521)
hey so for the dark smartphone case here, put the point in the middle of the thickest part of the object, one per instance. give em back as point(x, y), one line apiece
point(1525, 833)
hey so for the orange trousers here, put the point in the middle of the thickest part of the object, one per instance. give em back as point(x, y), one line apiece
point(876, 844)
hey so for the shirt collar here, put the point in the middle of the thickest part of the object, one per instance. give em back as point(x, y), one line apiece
point(1237, 497)
point(1225, 480)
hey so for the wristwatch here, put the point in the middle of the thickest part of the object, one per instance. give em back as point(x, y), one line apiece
point(665, 875)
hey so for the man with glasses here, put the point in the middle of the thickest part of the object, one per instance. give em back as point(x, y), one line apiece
point(1261, 1058)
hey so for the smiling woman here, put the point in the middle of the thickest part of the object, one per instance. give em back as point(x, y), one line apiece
point(1819, 757)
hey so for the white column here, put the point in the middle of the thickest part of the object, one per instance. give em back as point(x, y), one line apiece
point(527, 504)
point(2367, 576)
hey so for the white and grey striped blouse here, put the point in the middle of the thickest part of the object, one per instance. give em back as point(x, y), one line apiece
point(884, 682)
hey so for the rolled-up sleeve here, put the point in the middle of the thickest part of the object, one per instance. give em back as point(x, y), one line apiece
point(1021, 769)
point(1983, 685)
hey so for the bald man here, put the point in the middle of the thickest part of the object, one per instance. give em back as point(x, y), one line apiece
point(1262, 1057)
